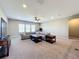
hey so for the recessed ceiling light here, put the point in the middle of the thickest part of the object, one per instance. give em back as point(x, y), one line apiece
point(52, 17)
point(24, 6)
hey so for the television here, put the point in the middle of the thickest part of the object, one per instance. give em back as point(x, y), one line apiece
point(3, 28)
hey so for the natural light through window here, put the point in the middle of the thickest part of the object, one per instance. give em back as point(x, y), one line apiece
point(21, 27)
point(32, 28)
point(27, 27)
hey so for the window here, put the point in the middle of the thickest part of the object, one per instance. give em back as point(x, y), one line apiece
point(33, 28)
point(27, 28)
point(21, 27)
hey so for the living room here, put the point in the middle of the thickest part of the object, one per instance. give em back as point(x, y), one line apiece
point(39, 29)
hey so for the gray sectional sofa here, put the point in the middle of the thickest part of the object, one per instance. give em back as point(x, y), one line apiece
point(26, 35)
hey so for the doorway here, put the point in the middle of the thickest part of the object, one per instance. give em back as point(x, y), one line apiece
point(74, 28)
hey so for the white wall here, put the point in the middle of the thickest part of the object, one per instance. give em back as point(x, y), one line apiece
point(3, 15)
point(13, 28)
point(57, 27)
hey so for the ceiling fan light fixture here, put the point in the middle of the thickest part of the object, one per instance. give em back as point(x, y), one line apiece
point(36, 19)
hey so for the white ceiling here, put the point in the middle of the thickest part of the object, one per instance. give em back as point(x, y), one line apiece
point(40, 8)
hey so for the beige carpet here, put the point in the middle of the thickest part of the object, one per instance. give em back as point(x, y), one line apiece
point(27, 49)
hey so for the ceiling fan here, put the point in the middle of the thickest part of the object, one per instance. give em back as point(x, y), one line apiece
point(37, 19)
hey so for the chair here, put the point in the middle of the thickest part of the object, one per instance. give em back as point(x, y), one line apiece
point(50, 38)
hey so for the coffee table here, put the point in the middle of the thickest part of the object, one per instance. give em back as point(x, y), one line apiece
point(36, 38)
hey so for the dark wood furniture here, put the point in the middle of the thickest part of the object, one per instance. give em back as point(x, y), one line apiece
point(5, 44)
point(50, 39)
point(47, 38)
point(36, 38)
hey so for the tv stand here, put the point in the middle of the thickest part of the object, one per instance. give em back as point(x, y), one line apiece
point(5, 44)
